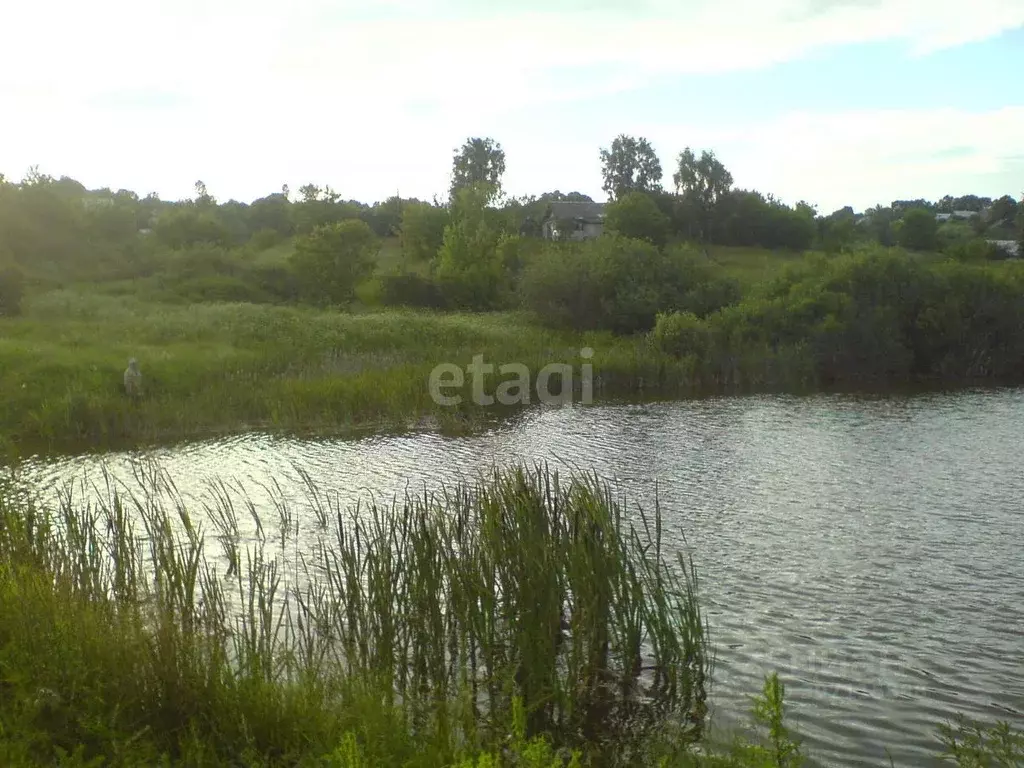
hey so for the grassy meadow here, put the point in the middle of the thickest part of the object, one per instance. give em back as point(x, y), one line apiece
point(224, 367)
point(216, 367)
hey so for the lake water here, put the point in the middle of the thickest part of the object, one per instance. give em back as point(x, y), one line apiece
point(869, 550)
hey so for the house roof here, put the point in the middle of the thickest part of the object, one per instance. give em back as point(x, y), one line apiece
point(566, 210)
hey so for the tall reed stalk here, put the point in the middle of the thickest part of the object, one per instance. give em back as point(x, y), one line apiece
point(438, 614)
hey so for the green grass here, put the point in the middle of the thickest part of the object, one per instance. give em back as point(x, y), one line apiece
point(235, 367)
point(276, 256)
point(751, 266)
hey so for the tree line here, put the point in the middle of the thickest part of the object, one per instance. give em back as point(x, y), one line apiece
point(466, 251)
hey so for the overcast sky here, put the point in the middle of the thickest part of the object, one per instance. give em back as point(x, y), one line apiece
point(833, 101)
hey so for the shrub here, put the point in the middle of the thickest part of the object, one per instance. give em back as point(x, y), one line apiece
point(331, 261)
point(682, 334)
point(12, 290)
point(200, 260)
point(277, 282)
point(611, 283)
point(471, 264)
point(265, 239)
point(886, 316)
point(636, 215)
point(411, 290)
point(220, 288)
point(422, 230)
point(187, 226)
point(975, 249)
point(919, 230)
point(707, 297)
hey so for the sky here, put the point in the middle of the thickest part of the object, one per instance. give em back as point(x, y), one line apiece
point(835, 102)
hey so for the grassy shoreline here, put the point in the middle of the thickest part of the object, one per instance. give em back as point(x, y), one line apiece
point(225, 369)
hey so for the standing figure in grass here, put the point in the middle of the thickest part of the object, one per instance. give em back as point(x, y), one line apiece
point(133, 379)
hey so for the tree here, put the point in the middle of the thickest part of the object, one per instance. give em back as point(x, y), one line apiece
point(568, 197)
point(470, 261)
point(1020, 227)
point(631, 165)
point(919, 230)
point(636, 215)
point(478, 161)
point(838, 230)
point(902, 206)
point(203, 197)
point(273, 212)
point(879, 223)
point(333, 258)
point(309, 193)
point(1003, 212)
point(422, 231)
point(971, 203)
point(385, 218)
point(184, 225)
point(703, 183)
point(319, 207)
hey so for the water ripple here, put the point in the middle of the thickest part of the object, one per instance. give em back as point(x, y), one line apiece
point(867, 549)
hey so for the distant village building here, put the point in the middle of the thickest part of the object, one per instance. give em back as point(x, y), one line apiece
point(964, 215)
point(90, 203)
point(573, 221)
point(1011, 247)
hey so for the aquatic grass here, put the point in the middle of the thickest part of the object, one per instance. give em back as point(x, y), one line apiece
point(435, 615)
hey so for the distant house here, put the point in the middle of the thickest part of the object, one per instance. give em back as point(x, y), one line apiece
point(573, 221)
point(1011, 247)
point(965, 215)
point(91, 203)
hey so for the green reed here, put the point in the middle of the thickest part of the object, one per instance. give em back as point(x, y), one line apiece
point(436, 614)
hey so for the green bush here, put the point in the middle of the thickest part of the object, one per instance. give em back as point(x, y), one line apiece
point(185, 226)
point(919, 231)
point(410, 290)
point(276, 281)
point(422, 231)
point(265, 239)
point(12, 290)
point(333, 259)
point(472, 263)
point(709, 296)
point(610, 283)
point(682, 334)
point(975, 249)
point(221, 288)
point(885, 316)
point(636, 215)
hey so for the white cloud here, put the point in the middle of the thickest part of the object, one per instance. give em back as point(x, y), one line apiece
point(862, 158)
point(261, 92)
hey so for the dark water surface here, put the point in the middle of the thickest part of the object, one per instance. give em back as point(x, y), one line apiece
point(870, 550)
